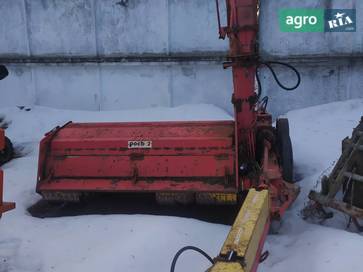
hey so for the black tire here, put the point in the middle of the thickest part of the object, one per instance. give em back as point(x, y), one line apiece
point(8, 153)
point(3, 72)
point(285, 149)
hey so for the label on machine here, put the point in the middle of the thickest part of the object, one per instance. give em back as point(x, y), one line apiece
point(139, 144)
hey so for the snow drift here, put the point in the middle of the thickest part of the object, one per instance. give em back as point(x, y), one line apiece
point(140, 243)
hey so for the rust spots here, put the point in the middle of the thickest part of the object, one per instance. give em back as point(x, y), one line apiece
point(222, 157)
point(137, 157)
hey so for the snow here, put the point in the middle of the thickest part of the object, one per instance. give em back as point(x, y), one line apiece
point(316, 134)
point(146, 242)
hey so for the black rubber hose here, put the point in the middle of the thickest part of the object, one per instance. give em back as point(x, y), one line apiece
point(264, 256)
point(268, 65)
point(263, 103)
point(180, 251)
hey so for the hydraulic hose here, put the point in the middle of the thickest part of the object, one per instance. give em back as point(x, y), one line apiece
point(180, 251)
point(269, 64)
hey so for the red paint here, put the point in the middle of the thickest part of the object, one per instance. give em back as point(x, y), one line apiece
point(260, 246)
point(193, 154)
point(4, 206)
point(2, 139)
point(109, 185)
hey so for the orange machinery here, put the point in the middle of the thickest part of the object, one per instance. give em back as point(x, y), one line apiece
point(6, 152)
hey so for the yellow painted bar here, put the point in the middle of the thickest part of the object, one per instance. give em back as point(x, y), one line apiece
point(227, 267)
point(245, 235)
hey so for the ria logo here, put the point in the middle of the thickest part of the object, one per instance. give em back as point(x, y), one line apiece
point(340, 20)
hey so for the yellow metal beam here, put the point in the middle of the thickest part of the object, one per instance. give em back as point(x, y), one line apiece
point(240, 251)
point(227, 267)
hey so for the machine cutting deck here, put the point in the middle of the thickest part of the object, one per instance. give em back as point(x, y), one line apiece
point(207, 162)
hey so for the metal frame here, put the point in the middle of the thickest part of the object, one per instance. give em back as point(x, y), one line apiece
point(343, 175)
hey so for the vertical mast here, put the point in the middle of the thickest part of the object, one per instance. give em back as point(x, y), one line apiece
point(242, 27)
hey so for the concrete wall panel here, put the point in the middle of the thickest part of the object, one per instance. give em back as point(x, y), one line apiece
point(13, 28)
point(109, 27)
point(137, 26)
point(67, 87)
point(134, 86)
point(321, 83)
point(18, 88)
point(67, 28)
point(125, 86)
point(202, 83)
point(58, 27)
point(194, 27)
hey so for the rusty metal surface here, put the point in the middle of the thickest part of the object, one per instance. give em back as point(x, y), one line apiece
point(111, 185)
point(196, 156)
point(4, 206)
point(336, 204)
point(342, 190)
point(61, 196)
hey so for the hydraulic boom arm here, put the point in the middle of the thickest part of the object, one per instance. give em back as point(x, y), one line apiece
point(241, 252)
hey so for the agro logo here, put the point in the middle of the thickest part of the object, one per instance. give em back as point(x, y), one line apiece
point(340, 20)
point(299, 21)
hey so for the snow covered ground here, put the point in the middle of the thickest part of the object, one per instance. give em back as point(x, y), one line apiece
point(140, 243)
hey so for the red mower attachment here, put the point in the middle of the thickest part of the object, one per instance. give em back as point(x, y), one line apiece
point(137, 157)
point(207, 162)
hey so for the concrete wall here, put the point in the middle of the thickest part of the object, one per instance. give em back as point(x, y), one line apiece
point(116, 86)
point(330, 63)
point(106, 27)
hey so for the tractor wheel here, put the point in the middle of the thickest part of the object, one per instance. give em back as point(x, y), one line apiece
point(285, 149)
point(8, 153)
